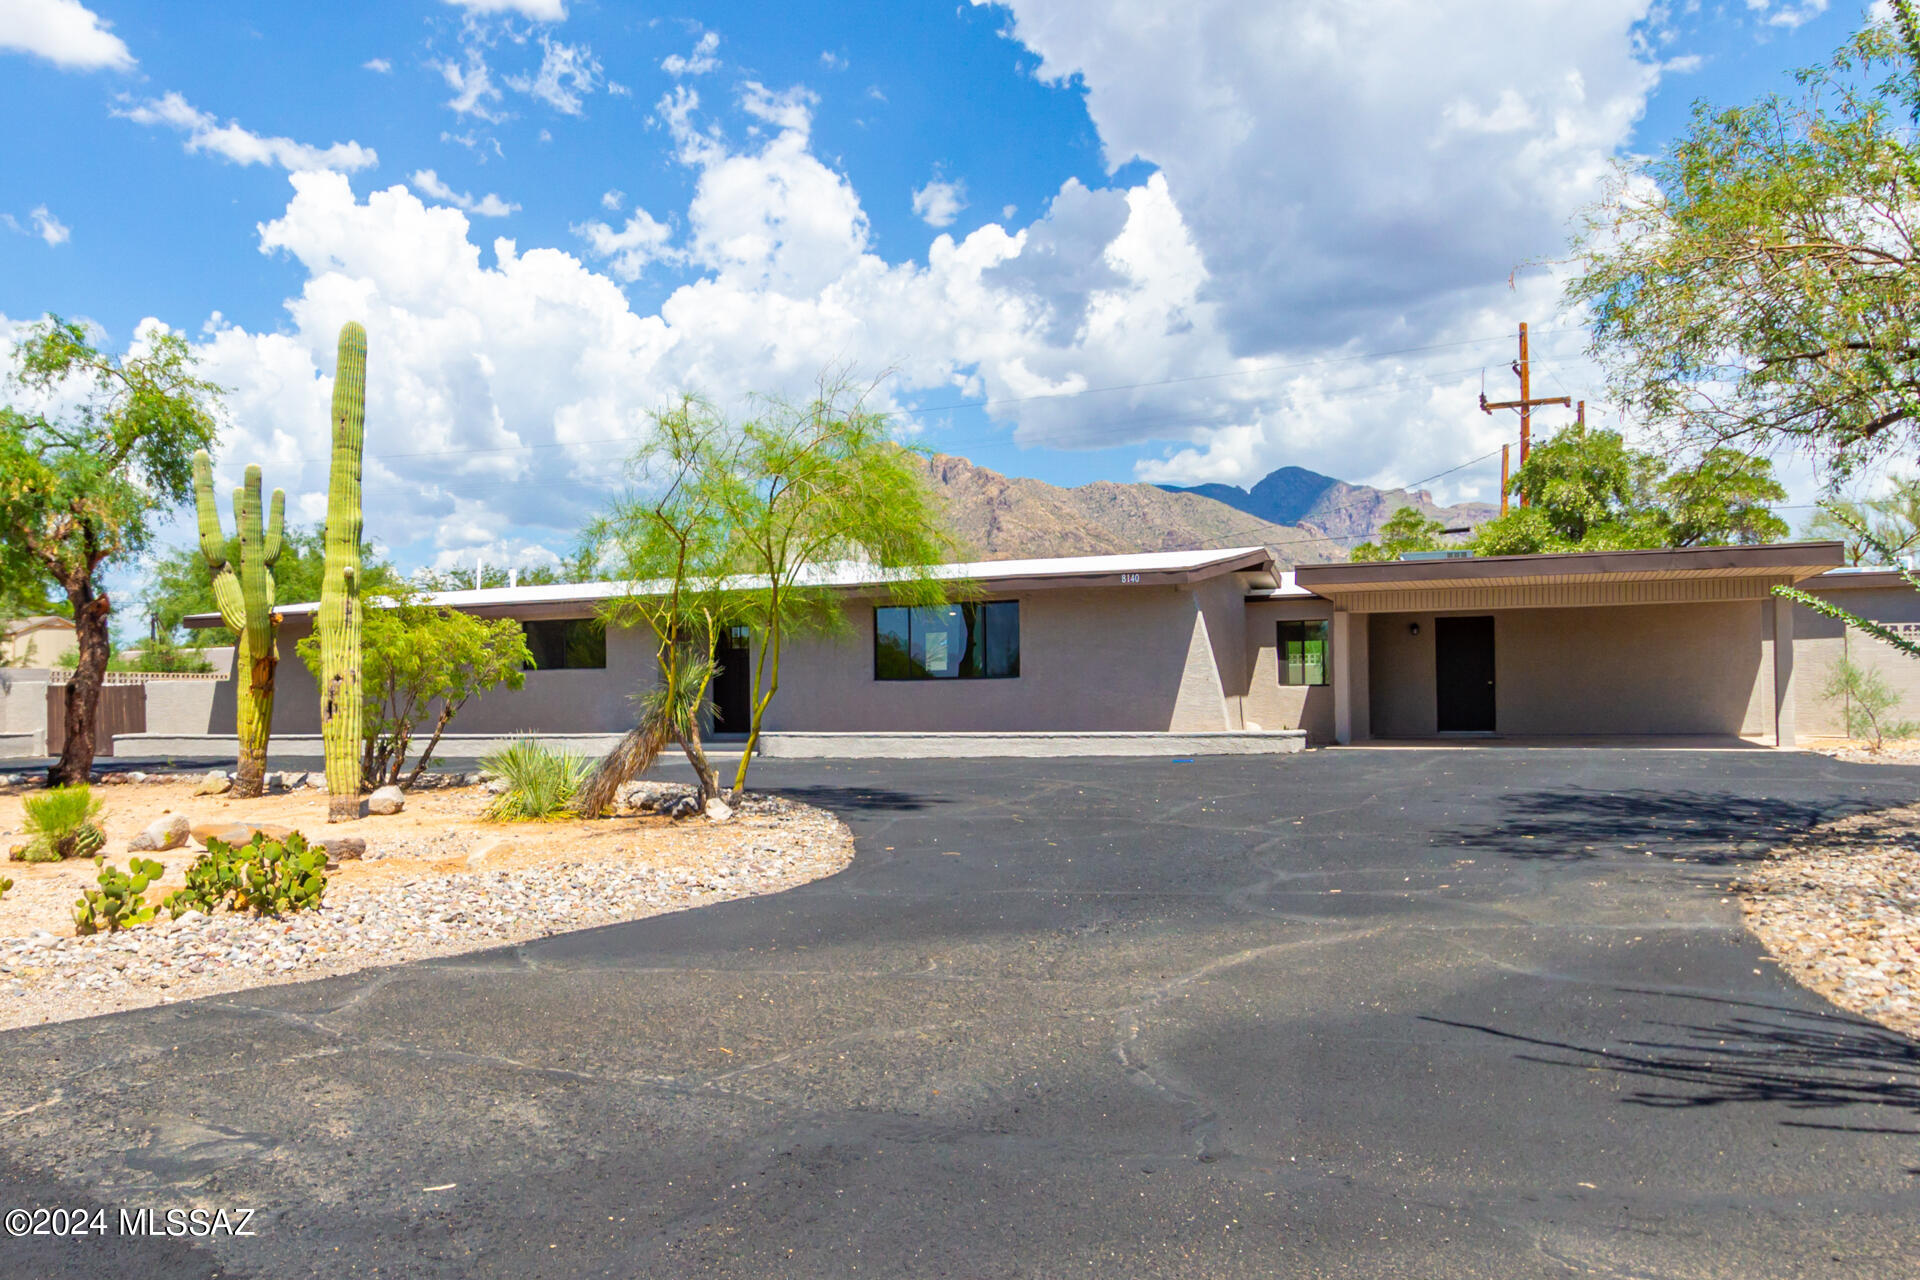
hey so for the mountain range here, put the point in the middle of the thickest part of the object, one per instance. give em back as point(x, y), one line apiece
point(1306, 517)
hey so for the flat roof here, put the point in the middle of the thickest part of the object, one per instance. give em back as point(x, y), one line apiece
point(1857, 578)
point(1780, 559)
point(1146, 568)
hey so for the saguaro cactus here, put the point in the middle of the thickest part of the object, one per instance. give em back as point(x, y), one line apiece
point(340, 706)
point(245, 595)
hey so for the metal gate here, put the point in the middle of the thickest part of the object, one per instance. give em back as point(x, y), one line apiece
point(123, 709)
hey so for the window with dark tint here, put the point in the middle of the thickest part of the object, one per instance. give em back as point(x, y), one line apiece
point(558, 644)
point(1303, 652)
point(955, 642)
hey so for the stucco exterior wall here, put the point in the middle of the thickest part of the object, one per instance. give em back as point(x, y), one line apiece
point(584, 701)
point(187, 706)
point(1820, 642)
point(1638, 669)
point(1119, 658)
point(1268, 703)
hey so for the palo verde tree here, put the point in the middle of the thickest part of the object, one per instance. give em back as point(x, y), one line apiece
point(94, 447)
point(1755, 283)
point(671, 542)
point(815, 484)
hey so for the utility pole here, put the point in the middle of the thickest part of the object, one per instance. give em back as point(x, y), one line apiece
point(1525, 404)
point(1505, 452)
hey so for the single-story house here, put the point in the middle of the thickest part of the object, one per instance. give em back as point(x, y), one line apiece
point(1631, 643)
point(43, 640)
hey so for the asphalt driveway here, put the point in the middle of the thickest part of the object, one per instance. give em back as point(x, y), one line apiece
point(1409, 1013)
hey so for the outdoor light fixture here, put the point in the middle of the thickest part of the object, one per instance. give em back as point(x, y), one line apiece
point(1413, 628)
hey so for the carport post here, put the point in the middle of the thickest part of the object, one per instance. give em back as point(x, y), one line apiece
point(1350, 720)
point(1783, 700)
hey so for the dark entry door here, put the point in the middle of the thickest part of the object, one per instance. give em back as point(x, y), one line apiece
point(732, 689)
point(1463, 666)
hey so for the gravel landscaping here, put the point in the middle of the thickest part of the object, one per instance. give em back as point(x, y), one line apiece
point(435, 880)
point(1840, 910)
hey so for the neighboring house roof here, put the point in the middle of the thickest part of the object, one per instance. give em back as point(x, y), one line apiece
point(39, 622)
point(1143, 569)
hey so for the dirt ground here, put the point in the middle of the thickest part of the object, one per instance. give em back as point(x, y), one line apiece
point(436, 834)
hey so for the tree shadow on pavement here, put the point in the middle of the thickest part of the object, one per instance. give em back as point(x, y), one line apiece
point(1746, 1051)
point(1712, 828)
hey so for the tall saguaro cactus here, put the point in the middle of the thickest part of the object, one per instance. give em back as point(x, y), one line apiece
point(340, 705)
point(245, 594)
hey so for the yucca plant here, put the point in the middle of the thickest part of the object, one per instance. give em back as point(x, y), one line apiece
point(63, 823)
point(541, 782)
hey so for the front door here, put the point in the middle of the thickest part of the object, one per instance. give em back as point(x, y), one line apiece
point(1463, 667)
point(732, 690)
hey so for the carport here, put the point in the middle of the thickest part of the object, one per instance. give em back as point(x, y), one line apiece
point(1686, 641)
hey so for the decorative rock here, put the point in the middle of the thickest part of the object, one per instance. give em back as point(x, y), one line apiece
point(498, 786)
point(236, 833)
point(387, 800)
point(162, 833)
point(681, 807)
point(344, 848)
point(215, 783)
point(718, 810)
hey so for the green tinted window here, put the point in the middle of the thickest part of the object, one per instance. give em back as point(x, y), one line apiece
point(1303, 652)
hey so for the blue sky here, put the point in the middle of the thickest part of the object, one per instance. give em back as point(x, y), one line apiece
point(1116, 241)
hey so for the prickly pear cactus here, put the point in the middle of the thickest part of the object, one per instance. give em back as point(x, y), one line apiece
point(341, 711)
point(119, 902)
point(243, 586)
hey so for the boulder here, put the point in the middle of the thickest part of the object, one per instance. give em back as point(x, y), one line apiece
point(344, 848)
point(162, 833)
point(681, 807)
point(215, 783)
point(387, 800)
point(236, 833)
point(718, 810)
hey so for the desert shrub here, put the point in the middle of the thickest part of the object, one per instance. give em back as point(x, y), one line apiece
point(540, 781)
point(1867, 703)
point(5, 884)
point(120, 901)
point(62, 823)
point(265, 876)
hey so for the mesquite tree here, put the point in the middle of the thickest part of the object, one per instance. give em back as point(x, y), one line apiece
point(246, 598)
point(1754, 285)
point(341, 711)
point(90, 449)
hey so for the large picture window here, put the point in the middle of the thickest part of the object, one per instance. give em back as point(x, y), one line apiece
point(1303, 652)
point(559, 644)
point(955, 642)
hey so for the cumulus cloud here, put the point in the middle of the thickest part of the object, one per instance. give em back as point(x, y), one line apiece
point(64, 32)
point(940, 202)
point(536, 10)
point(697, 63)
point(612, 201)
point(487, 206)
point(242, 146)
point(630, 248)
point(1350, 168)
point(503, 379)
point(567, 74)
point(378, 65)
